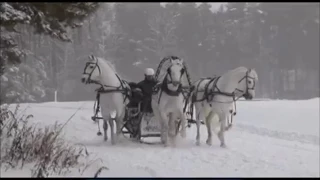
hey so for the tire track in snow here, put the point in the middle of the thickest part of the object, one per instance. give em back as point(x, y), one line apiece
point(149, 170)
point(62, 107)
point(290, 136)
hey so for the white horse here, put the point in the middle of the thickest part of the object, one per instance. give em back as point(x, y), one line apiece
point(168, 102)
point(216, 97)
point(114, 93)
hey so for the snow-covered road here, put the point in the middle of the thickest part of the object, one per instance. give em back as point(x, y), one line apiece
point(268, 139)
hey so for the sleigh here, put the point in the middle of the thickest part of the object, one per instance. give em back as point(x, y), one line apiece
point(137, 123)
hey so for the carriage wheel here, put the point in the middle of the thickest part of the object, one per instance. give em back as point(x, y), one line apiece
point(138, 134)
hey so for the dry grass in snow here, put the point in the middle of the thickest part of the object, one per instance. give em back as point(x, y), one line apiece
point(24, 143)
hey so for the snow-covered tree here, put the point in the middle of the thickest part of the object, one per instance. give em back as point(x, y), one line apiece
point(162, 25)
point(53, 19)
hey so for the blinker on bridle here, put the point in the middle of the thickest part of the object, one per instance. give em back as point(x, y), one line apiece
point(182, 71)
point(247, 77)
point(95, 66)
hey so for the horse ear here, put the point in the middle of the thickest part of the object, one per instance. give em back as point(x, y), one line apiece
point(181, 60)
point(91, 57)
point(255, 72)
point(171, 60)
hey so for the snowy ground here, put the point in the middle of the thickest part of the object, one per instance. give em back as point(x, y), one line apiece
point(269, 138)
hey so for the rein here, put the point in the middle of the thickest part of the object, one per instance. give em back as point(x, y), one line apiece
point(102, 90)
point(125, 91)
point(247, 77)
point(209, 93)
point(121, 88)
point(105, 89)
point(163, 86)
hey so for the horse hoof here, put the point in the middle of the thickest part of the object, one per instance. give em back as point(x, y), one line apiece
point(198, 143)
point(99, 133)
point(166, 143)
point(209, 142)
point(223, 146)
point(183, 134)
point(105, 139)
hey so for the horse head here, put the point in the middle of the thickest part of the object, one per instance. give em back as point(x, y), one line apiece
point(247, 83)
point(92, 71)
point(175, 72)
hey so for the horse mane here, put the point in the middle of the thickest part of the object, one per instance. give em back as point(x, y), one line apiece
point(110, 64)
point(241, 69)
point(237, 70)
point(254, 74)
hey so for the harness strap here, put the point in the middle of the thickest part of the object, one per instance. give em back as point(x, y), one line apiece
point(209, 96)
point(96, 103)
point(187, 98)
point(212, 92)
point(160, 95)
point(235, 110)
point(97, 109)
point(102, 90)
point(126, 92)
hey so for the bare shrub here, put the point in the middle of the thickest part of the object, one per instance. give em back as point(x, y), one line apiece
point(23, 142)
point(100, 170)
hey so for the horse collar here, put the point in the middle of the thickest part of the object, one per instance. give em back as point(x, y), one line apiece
point(164, 87)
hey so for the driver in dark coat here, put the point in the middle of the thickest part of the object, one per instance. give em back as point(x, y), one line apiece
point(146, 86)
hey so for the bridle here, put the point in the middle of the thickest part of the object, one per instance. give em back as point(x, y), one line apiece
point(212, 92)
point(169, 74)
point(214, 89)
point(246, 78)
point(163, 87)
point(122, 88)
point(93, 68)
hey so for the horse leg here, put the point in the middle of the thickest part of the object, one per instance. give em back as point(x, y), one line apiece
point(157, 116)
point(227, 122)
point(222, 118)
point(105, 129)
point(209, 127)
point(183, 120)
point(164, 129)
point(119, 123)
point(111, 121)
point(172, 128)
point(200, 116)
